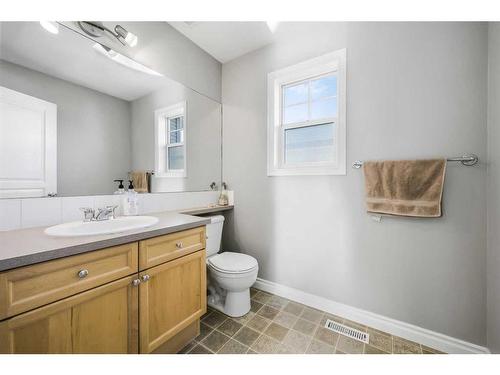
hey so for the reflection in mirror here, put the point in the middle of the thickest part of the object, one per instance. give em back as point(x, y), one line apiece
point(74, 117)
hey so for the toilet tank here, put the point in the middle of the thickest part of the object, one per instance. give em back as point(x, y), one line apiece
point(214, 234)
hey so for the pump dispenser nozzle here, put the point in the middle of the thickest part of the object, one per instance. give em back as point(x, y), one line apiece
point(121, 184)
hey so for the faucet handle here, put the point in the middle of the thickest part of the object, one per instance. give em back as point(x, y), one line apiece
point(88, 213)
point(112, 210)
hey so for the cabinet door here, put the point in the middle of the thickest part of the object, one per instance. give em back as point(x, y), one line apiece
point(173, 297)
point(101, 320)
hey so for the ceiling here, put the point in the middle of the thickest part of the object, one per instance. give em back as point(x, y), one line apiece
point(70, 56)
point(226, 41)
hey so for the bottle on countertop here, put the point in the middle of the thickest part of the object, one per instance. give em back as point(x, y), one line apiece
point(223, 198)
point(130, 201)
point(121, 189)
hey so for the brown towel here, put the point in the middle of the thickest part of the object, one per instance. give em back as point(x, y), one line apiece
point(405, 187)
point(140, 181)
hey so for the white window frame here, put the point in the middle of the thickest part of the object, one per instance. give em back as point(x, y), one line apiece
point(162, 140)
point(319, 66)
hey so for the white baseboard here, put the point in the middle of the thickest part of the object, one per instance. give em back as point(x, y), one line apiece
point(411, 332)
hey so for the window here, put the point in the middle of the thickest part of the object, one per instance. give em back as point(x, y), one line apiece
point(170, 135)
point(306, 117)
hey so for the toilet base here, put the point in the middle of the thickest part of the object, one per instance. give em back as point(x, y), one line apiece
point(235, 304)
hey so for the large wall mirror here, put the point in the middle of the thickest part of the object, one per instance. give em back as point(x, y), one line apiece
point(75, 116)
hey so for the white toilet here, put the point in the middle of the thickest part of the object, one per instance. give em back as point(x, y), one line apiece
point(229, 275)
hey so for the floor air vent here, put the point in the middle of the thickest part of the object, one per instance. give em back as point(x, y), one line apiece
point(347, 331)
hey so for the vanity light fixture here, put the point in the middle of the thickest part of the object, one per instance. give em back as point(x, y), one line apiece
point(51, 26)
point(97, 29)
point(124, 60)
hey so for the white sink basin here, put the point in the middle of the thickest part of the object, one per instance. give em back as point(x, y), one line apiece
point(120, 224)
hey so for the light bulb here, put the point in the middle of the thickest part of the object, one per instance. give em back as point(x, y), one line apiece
point(273, 25)
point(131, 39)
point(125, 35)
point(124, 60)
point(51, 26)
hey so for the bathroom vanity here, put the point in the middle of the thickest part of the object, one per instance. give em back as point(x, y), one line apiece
point(136, 292)
point(142, 290)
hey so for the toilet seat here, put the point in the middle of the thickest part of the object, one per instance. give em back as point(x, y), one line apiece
point(234, 263)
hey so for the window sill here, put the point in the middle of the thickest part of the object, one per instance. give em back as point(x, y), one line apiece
point(170, 175)
point(307, 172)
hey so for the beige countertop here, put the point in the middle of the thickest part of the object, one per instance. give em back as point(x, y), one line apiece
point(23, 247)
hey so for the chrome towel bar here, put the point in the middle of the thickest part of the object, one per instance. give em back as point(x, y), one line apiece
point(468, 160)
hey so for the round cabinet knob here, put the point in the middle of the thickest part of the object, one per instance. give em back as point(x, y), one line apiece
point(83, 274)
point(145, 277)
point(178, 245)
point(136, 282)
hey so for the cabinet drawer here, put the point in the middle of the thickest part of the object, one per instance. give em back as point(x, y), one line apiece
point(26, 288)
point(162, 249)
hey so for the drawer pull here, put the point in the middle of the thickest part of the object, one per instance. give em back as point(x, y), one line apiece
point(136, 282)
point(178, 245)
point(145, 278)
point(83, 274)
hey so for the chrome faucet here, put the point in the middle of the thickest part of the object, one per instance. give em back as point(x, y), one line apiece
point(88, 213)
point(105, 213)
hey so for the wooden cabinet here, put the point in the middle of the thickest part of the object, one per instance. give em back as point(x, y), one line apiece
point(101, 320)
point(98, 302)
point(171, 297)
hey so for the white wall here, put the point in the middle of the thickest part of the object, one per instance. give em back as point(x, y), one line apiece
point(493, 271)
point(413, 90)
point(93, 130)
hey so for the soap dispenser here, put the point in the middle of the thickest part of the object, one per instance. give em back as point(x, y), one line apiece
point(131, 201)
point(223, 198)
point(121, 189)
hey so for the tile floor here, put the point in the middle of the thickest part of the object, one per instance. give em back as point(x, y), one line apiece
point(276, 325)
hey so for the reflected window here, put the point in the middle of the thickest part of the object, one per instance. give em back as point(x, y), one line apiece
point(175, 143)
point(171, 141)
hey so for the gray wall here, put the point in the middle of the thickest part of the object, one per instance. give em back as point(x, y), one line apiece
point(493, 271)
point(166, 50)
point(414, 90)
point(203, 135)
point(93, 130)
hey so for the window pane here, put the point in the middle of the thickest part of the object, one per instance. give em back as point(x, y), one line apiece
point(309, 144)
point(322, 87)
point(295, 94)
point(176, 123)
point(176, 136)
point(295, 113)
point(324, 108)
point(176, 157)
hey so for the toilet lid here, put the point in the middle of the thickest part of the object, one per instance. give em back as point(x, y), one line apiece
point(232, 262)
